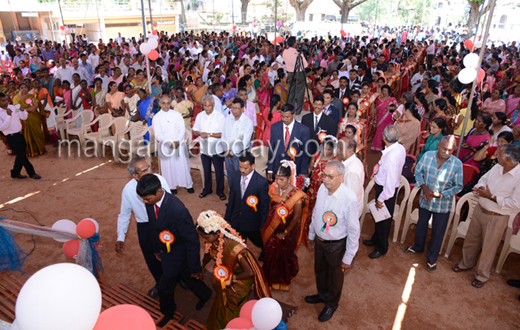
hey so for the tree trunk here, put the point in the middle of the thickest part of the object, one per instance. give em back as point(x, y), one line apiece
point(244, 11)
point(473, 17)
point(345, 11)
point(183, 13)
point(300, 13)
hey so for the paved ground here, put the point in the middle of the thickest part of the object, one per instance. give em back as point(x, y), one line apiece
point(75, 188)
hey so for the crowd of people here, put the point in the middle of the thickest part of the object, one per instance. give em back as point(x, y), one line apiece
point(318, 105)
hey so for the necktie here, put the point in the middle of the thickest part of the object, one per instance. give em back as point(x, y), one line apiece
point(243, 187)
point(315, 122)
point(287, 137)
point(157, 208)
point(341, 96)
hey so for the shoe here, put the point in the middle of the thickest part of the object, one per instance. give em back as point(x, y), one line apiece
point(326, 314)
point(432, 267)
point(19, 176)
point(190, 191)
point(368, 242)
point(173, 191)
point(165, 321)
point(183, 285)
point(514, 283)
point(200, 304)
point(409, 250)
point(154, 292)
point(35, 176)
point(374, 255)
point(477, 284)
point(314, 299)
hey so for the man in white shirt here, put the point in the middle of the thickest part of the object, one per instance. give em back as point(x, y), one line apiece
point(119, 39)
point(215, 91)
point(139, 65)
point(236, 136)
point(208, 127)
point(334, 235)
point(499, 197)
point(93, 58)
point(418, 78)
point(64, 72)
point(11, 127)
point(355, 173)
point(130, 201)
point(83, 74)
point(430, 53)
point(387, 177)
point(125, 66)
point(169, 129)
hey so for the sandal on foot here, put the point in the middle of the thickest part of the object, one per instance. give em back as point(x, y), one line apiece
point(477, 284)
point(223, 197)
point(457, 269)
point(432, 267)
point(409, 250)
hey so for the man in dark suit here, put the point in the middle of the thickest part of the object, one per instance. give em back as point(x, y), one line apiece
point(287, 136)
point(362, 75)
point(339, 94)
point(248, 200)
point(318, 124)
point(329, 109)
point(371, 73)
point(176, 244)
point(354, 83)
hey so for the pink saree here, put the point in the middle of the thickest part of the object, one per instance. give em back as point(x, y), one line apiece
point(383, 119)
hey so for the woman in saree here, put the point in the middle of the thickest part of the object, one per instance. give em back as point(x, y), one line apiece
point(46, 107)
point(436, 130)
point(409, 127)
point(196, 96)
point(317, 167)
point(235, 272)
point(515, 116)
point(117, 77)
point(283, 229)
point(377, 85)
point(156, 89)
point(513, 100)
point(488, 156)
point(281, 87)
point(98, 94)
point(147, 108)
point(494, 103)
point(114, 99)
point(477, 138)
point(385, 106)
point(271, 115)
point(263, 87)
point(139, 81)
point(392, 77)
point(181, 105)
point(247, 83)
point(440, 107)
point(352, 118)
point(32, 132)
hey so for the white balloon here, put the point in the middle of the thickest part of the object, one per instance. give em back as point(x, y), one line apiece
point(267, 314)
point(62, 32)
point(145, 48)
point(153, 36)
point(64, 225)
point(59, 297)
point(478, 44)
point(95, 222)
point(470, 60)
point(153, 43)
point(467, 75)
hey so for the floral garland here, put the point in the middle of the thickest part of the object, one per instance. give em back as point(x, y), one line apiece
point(211, 221)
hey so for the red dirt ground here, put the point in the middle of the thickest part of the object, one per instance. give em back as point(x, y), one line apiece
point(76, 188)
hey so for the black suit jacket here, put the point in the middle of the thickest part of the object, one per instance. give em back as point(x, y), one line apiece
point(184, 252)
point(326, 124)
point(298, 140)
point(369, 76)
point(240, 216)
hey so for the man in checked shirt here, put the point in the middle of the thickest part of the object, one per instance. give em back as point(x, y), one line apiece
point(439, 174)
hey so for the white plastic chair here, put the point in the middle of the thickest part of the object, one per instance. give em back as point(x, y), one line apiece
point(62, 114)
point(261, 154)
point(511, 243)
point(398, 210)
point(460, 229)
point(86, 117)
point(105, 121)
point(118, 125)
point(412, 217)
point(135, 143)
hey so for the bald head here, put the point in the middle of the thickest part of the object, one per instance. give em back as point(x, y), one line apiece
point(165, 103)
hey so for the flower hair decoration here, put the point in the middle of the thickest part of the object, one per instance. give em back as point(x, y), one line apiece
point(292, 166)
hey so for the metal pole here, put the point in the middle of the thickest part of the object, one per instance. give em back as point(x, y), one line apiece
point(144, 19)
point(375, 20)
point(160, 9)
point(214, 18)
point(52, 26)
point(479, 17)
point(99, 20)
point(61, 13)
point(275, 18)
point(150, 8)
point(233, 15)
point(479, 63)
point(12, 16)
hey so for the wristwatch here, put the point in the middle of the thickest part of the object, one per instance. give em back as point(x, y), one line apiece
point(492, 197)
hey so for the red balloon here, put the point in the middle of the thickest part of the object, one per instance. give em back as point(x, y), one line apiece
point(86, 229)
point(247, 309)
point(468, 43)
point(153, 55)
point(125, 317)
point(343, 33)
point(154, 32)
point(71, 248)
point(279, 39)
point(238, 323)
point(234, 27)
point(62, 28)
point(154, 24)
point(481, 75)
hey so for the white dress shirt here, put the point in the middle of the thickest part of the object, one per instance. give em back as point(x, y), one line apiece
point(64, 74)
point(244, 182)
point(83, 74)
point(94, 60)
point(213, 123)
point(316, 120)
point(342, 93)
point(130, 201)
point(219, 107)
point(11, 124)
point(506, 188)
point(416, 81)
point(390, 169)
point(355, 178)
point(344, 205)
point(236, 134)
point(138, 66)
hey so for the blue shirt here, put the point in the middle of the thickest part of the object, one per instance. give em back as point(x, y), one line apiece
point(90, 70)
point(48, 55)
point(446, 180)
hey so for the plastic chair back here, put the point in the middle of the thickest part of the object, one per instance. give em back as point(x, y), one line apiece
point(469, 173)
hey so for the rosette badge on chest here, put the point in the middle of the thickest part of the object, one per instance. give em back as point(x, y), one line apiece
point(282, 212)
point(329, 219)
point(222, 274)
point(252, 201)
point(167, 238)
